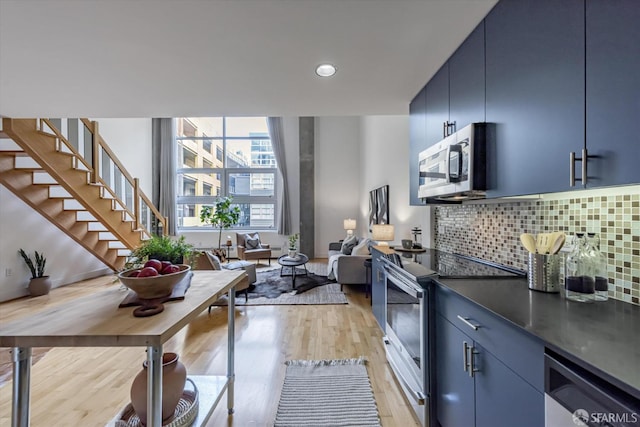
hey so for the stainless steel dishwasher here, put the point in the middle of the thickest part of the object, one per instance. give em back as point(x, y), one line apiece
point(576, 397)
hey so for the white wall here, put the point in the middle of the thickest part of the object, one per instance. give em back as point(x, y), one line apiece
point(337, 171)
point(130, 140)
point(67, 261)
point(385, 161)
point(22, 227)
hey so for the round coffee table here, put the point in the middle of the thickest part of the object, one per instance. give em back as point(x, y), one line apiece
point(286, 261)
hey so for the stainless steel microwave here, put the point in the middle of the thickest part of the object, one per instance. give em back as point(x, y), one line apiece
point(455, 168)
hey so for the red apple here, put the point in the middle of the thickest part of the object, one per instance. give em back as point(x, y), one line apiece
point(171, 269)
point(134, 273)
point(148, 272)
point(165, 264)
point(154, 263)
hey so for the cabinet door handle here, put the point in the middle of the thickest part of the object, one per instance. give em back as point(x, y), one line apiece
point(472, 362)
point(572, 167)
point(465, 320)
point(465, 355)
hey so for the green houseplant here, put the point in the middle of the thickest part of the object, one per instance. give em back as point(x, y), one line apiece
point(293, 244)
point(221, 215)
point(39, 283)
point(164, 248)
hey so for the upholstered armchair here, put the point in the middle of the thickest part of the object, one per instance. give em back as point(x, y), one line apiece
point(250, 248)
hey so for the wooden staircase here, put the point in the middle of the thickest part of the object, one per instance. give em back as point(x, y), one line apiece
point(47, 172)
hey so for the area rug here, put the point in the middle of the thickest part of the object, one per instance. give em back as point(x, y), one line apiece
point(272, 289)
point(327, 393)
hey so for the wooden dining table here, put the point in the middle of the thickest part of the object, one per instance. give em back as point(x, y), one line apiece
point(96, 321)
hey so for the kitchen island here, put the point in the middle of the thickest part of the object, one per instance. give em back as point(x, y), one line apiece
point(96, 321)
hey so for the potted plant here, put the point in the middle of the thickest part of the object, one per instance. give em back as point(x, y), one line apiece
point(221, 216)
point(39, 283)
point(163, 248)
point(293, 245)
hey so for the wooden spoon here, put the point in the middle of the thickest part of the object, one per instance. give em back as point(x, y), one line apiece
point(529, 242)
point(557, 243)
point(543, 242)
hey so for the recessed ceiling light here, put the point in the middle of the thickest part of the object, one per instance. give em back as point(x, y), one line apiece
point(325, 70)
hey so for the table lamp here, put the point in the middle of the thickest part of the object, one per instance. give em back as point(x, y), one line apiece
point(349, 225)
point(382, 233)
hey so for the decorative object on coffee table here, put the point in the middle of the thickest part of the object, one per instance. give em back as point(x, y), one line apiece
point(293, 245)
point(174, 375)
point(39, 283)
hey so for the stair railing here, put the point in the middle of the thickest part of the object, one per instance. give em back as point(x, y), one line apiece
point(91, 153)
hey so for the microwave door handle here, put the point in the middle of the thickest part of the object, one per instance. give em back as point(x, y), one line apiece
point(455, 148)
point(448, 168)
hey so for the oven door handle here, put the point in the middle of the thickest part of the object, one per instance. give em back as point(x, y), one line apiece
point(418, 396)
point(416, 293)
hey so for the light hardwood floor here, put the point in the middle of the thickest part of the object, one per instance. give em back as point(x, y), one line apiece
point(88, 386)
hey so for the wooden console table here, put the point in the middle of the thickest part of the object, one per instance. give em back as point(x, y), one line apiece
point(96, 321)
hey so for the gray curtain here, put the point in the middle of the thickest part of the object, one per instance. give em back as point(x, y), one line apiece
point(277, 141)
point(163, 144)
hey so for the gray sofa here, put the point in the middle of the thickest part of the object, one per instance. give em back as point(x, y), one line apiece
point(346, 269)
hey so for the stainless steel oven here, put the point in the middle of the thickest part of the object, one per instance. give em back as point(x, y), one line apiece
point(406, 340)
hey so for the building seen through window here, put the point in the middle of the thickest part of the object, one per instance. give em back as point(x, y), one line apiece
point(226, 156)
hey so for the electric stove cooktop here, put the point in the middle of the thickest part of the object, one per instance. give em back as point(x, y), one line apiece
point(453, 266)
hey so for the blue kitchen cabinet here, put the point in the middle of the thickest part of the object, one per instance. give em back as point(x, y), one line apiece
point(455, 94)
point(613, 91)
point(488, 373)
point(418, 142)
point(378, 289)
point(504, 399)
point(437, 105)
point(455, 394)
point(535, 94)
point(466, 81)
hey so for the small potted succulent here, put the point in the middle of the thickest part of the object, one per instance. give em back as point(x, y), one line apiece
point(293, 245)
point(39, 283)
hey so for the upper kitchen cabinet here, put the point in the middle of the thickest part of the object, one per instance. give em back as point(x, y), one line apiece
point(418, 142)
point(437, 106)
point(534, 93)
point(613, 91)
point(466, 81)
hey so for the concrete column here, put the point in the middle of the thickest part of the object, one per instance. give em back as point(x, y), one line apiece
point(307, 186)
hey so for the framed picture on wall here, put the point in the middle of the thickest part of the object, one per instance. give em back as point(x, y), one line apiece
point(379, 206)
point(382, 194)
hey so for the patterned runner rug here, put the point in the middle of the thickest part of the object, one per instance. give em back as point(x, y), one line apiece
point(327, 393)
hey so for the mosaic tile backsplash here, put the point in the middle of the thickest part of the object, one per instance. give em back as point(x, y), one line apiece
point(492, 232)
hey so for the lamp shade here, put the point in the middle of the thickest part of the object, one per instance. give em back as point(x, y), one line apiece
point(349, 224)
point(382, 232)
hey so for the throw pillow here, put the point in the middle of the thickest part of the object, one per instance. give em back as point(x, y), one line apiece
point(361, 248)
point(348, 244)
point(215, 261)
point(252, 242)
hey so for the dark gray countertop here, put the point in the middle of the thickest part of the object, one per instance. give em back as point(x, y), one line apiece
point(604, 336)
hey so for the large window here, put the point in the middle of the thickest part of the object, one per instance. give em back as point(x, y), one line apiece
point(226, 156)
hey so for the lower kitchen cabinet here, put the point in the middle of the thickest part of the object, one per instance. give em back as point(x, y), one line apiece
point(479, 387)
point(378, 288)
point(455, 395)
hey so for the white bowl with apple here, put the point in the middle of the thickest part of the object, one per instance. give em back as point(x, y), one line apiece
point(156, 279)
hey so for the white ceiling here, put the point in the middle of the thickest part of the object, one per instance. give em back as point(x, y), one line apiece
point(170, 58)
